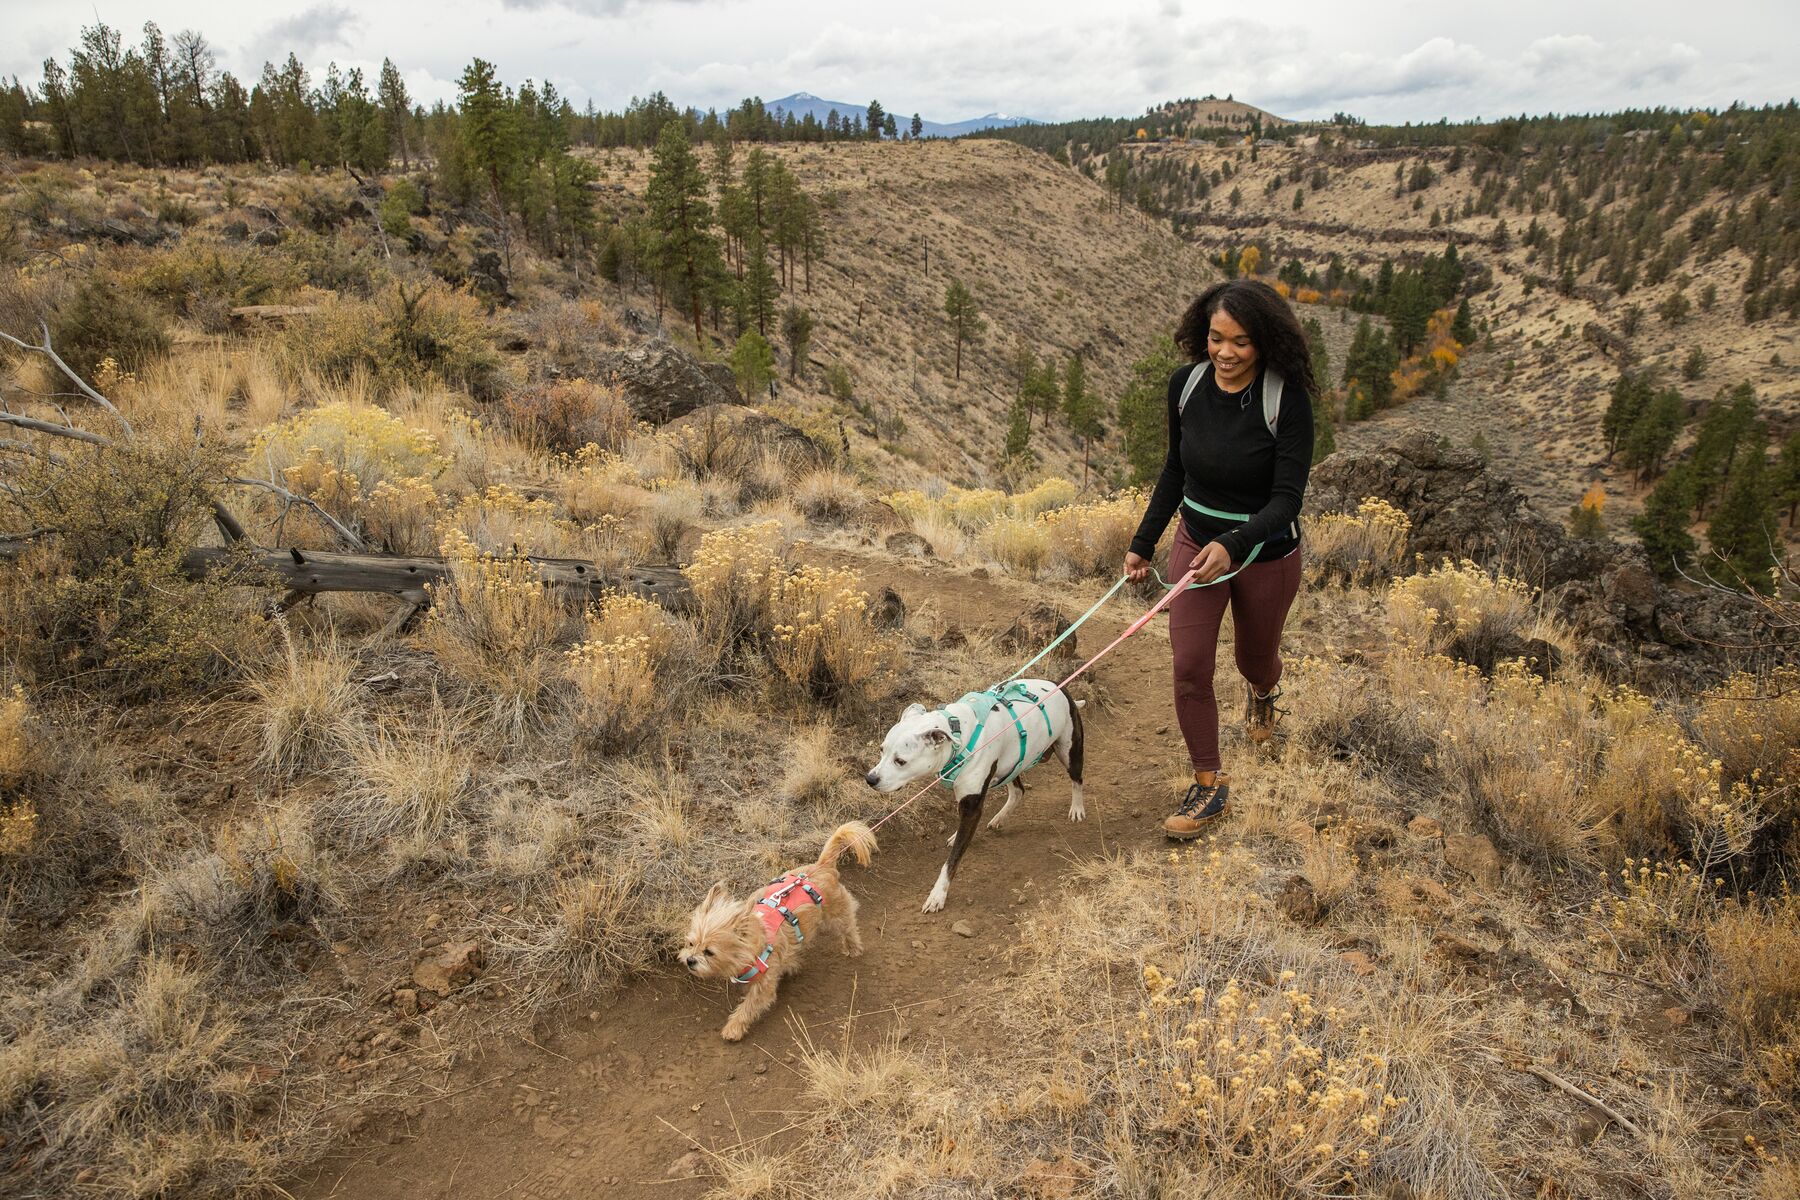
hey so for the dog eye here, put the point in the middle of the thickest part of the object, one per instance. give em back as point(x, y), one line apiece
point(709, 954)
point(899, 762)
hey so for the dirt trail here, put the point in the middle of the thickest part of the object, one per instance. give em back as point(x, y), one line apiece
point(608, 1102)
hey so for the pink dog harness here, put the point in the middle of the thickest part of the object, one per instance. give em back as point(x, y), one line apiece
point(774, 908)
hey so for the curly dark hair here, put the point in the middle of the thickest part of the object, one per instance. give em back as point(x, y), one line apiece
point(1268, 318)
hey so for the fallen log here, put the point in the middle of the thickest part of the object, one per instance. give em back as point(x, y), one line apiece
point(310, 572)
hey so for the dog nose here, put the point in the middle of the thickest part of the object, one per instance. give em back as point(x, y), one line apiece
point(692, 963)
point(870, 778)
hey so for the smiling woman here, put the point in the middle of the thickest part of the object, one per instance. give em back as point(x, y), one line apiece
point(1240, 448)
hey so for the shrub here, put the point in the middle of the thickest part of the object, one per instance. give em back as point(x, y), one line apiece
point(418, 336)
point(107, 603)
point(362, 464)
point(1459, 606)
point(821, 641)
point(623, 671)
point(733, 575)
point(408, 783)
point(1020, 546)
point(564, 415)
point(1267, 1077)
point(828, 495)
point(205, 281)
point(494, 626)
point(503, 522)
point(1091, 539)
point(1356, 548)
point(106, 320)
point(1756, 951)
point(18, 768)
point(595, 484)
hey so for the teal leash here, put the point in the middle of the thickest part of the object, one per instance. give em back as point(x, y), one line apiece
point(1098, 605)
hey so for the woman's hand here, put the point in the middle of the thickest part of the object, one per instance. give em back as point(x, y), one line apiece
point(1137, 567)
point(1212, 561)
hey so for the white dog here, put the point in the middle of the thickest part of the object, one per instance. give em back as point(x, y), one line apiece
point(983, 738)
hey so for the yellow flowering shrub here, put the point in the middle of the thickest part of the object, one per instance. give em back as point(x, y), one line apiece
point(621, 669)
point(501, 520)
point(1456, 601)
point(733, 575)
point(363, 465)
point(594, 484)
point(1752, 725)
point(1755, 949)
point(1021, 546)
point(1356, 548)
point(1092, 538)
point(821, 642)
point(1268, 1078)
point(494, 626)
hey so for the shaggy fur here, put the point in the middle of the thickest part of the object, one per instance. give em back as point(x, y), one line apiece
point(725, 934)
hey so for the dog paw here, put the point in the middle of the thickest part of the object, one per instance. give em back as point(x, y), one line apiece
point(995, 824)
point(951, 841)
point(734, 1032)
point(1078, 814)
point(934, 903)
point(852, 951)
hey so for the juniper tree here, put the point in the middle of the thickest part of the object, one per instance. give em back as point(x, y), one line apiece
point(1653, 433)
point(686, 247)
point(1718, 443)
point(396, 110)
point(1144, 409)
point(1462, 326)
point(876, 119)
point(1629, 398)
point(752, 364)
point(1786, 486)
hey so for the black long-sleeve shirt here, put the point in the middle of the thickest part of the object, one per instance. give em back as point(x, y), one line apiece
point(1222, 455)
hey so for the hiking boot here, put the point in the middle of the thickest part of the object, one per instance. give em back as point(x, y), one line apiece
point(1201, 805)
point(1260, 713)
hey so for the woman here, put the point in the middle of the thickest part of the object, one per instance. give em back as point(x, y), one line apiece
point(1237, 469)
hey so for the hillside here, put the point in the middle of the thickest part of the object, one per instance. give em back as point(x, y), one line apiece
point(1046, 259)
point(1540, 378)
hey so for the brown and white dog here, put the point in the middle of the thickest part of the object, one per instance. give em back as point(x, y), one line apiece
point(941, 743)
point(756, 940)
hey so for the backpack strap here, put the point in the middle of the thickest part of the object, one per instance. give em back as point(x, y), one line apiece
point(1272, 386)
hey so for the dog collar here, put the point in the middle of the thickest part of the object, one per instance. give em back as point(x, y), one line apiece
point(774, 909)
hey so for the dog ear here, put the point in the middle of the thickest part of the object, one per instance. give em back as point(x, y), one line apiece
point(715, 893)
point(935, 736)
point(913, 710)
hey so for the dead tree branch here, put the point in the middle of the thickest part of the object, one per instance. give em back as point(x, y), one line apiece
point(69, 372)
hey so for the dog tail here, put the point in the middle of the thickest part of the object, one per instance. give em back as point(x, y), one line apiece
point(853, 836)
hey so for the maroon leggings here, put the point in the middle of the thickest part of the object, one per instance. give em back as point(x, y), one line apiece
point(1260, 596)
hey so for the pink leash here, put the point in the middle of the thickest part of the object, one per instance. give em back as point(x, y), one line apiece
point(1174, 590)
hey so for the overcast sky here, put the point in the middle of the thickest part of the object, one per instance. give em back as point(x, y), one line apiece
point(1384, 60)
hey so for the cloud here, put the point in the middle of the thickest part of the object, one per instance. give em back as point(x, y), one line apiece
point(590, 8)
point(306, 33)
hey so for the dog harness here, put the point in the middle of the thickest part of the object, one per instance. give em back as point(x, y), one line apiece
point(774, 908)
point(983, 705)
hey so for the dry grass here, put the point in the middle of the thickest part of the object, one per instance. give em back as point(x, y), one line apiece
point(1356, 549)
point(300, 712)
point(407, 783)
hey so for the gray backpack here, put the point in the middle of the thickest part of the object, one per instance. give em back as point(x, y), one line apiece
point(1272, 384)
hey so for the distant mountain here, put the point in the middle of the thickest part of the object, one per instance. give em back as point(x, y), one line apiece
point(802, 103)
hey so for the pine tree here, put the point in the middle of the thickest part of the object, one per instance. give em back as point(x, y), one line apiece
point(965, 317)
point(1786, 487)
point(1716, 446)
point(1662, 526)
point(1080, 407)
point(1462, 327)
point(752, 363)
point(1144, 410)
point(1654, 433)
point(396, 110)
point(757, 291)
point(1630, 397)
point(1743, 531)
point(679, 212)
point(876, 119)
point(488, 139)
point(918, 127)
point(1018, 431)
point(797, 328)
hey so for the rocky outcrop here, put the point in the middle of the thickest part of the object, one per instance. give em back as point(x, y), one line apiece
point(1635, 627)
point(662, 383)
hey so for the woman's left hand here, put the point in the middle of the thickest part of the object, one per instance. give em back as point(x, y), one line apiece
point(1212, 561)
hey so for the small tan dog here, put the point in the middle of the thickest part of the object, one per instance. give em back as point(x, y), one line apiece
point(757, 940)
